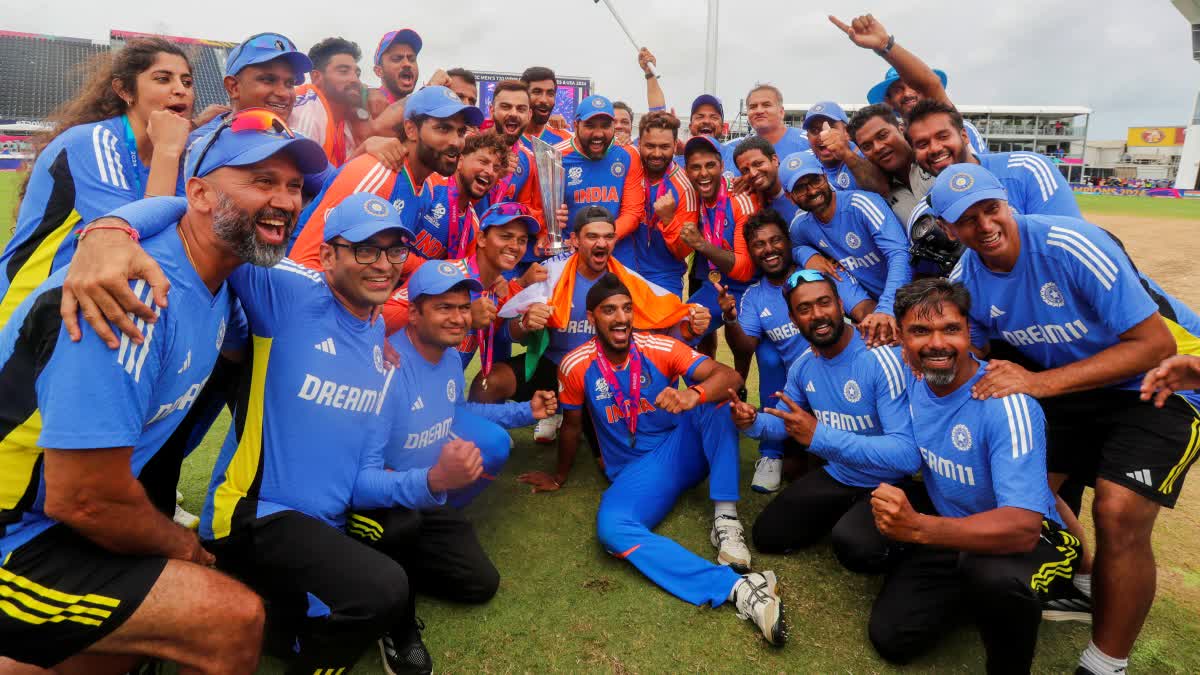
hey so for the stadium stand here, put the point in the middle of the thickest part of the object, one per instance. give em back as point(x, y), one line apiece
point(40, 72)
point(208, 63)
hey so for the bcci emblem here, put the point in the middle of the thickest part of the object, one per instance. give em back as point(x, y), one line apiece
point(961, 182)
point(220, 333)
point(1051, 295)
point(377, 353)
point(375, 207)
point(597, 103)
point(447, 269)
point(820, 107)
point(451, 390)
point(843, 180)
point(852, 392)
point(451, 95)
point(520, 169)
point(618, 169)
point(852, 240)
point(602, 391)
point(398, 205)
point(794, 163)
point(439, 210)
point(960, 436)
point(575, 175)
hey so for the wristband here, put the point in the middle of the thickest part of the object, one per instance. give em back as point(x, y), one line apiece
point(650, 76)
point(888, 47)
point(699, 390)
point(133, 234)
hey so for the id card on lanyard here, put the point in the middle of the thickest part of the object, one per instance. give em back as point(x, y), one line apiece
point(134, 160)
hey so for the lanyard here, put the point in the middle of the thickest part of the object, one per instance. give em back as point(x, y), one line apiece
point(486, 335)
point(134, 159)
point(629, 406)
point(459, 234)
point(651, 216)
point(714, 227)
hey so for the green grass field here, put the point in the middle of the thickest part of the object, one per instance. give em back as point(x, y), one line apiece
point(565, 605)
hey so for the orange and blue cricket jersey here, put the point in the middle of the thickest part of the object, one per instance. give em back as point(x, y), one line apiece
point(433, 228)
point(522, 186)
point(738, 209)
point(613, 181)
point(549, 135)
point(658, 252)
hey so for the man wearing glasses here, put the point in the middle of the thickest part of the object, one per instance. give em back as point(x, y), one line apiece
point(91, 567)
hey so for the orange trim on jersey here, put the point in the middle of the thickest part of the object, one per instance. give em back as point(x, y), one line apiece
point(633, 195)
point(335, 130)
point(361, 174)
point(626, 554)
point(743, 206)
point(687, 210)
point(649, 310)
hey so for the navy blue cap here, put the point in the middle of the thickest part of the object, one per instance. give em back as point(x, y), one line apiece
point(959, 186)
point(797, 165)
point(435, 277)
point(440, 102)
point(879, 92)
point(825, 110)
point(361, 216)
point(504, 213)
point(705, 142)
point(708, 99)
point(592, 106)
point(267, 47)
point(243, 148)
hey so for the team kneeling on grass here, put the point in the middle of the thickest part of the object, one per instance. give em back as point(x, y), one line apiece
point(337, 496)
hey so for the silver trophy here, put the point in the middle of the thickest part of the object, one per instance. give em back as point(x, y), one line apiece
point(550, 175)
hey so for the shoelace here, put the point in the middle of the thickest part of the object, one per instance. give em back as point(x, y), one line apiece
point(758, 592)
point(729, 531)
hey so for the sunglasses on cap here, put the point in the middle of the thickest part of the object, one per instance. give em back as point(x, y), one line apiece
point(507, 209)
point(249, 120)
point(272, 41)
point(802, 276)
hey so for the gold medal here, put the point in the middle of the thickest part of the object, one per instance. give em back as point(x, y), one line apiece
point(714, 276)
point(484, 384)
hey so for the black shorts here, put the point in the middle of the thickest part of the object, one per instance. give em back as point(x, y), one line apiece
point(544, 377)
point(1113, 434)
point(60, 593)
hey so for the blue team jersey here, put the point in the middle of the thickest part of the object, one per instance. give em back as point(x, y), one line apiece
point(784, 205)
point(1033, 184)
point(433, 226)
point(579, 330)
point(423, 400)
point(858, 398)
point(85, 172)
point(1071, 294)
point(664, 361)
point(82, 395)
point(865, 237)
point(613, 181)
point(980, 455)
point(763, 314)
point(310, 434)
point(978, 145)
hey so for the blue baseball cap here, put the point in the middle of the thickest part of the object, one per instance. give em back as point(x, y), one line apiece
point(361, 216)
point(224, 146)
point(708, 99)
point(504, 213)
point(825, 110)
point(705, 143)
point(959, 186)
point(406, 36)
point(796, 165)
point(879, 92)
point(435, 277)
point(441, 103)
point(267, 47)
point(592, 106)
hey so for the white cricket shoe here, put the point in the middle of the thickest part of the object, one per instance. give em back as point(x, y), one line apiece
point(756, 600)
point(546, 430)
point(188, 520)
point(729, 538)
point(768, 474)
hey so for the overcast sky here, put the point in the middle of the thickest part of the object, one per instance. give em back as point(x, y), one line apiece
point(1131, 62)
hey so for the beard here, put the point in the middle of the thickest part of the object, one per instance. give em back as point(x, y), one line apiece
point(834, 335)
point(440, 162)
point(236, 228)
point(938, 377)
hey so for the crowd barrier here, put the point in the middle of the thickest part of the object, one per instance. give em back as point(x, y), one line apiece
point(1135, 192)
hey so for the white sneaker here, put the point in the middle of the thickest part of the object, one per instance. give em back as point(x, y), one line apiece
point(729, 538)
point(188, 520)
point(756, 600)
point(546, 430)
point(768, 473)
point(178, 497)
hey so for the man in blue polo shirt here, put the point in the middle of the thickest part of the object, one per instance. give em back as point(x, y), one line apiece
point(1066, 296)
point(90, 566)
point(844, 165)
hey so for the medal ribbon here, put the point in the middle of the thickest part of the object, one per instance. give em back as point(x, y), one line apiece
point(714, 226)
point(629, 406)
point(651, 216)
point(460, 233)
point(485, 336)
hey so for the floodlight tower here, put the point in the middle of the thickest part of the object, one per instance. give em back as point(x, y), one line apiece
point(1188, 177)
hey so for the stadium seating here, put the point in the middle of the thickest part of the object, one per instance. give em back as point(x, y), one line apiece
point(40, 72)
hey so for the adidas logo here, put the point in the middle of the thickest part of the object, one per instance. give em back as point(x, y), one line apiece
point(187, 363)
point(1142, 476)
point(417, 405)
point(326, 346)
point(765, 313)
point(810, 388)
point(995, 312)
point(823, 244)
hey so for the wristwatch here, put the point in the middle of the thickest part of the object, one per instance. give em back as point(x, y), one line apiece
point(888, 47)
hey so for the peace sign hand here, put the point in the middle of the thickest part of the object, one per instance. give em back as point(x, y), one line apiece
point(799, 423)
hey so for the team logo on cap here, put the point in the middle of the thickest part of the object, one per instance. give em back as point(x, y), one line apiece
point(375, 207)
point(852, 240)
point(618, 169)
point(597, 103)
point(1051, 295)
point(447, 270)
point(843, 179)
point(960, 436)
point(575, 175)
point(820, 107)
point(851, 391)
point(451, 390)
point(377, 354)
point(398, 205)
point(961, 182)
point(794, 163)
point(450, 95)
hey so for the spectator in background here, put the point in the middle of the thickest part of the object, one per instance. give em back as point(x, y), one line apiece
point(396, 67)
point(325, 109)
point(623, 122)
point(462, 82)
